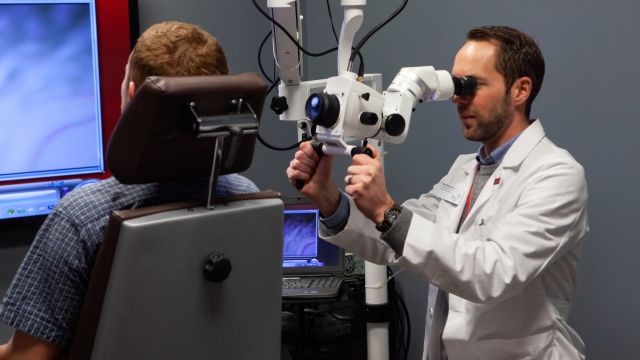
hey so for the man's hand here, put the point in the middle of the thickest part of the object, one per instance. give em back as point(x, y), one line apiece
point(365, 183)
point(315, 172)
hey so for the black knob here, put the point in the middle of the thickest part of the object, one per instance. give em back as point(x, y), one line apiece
point(394, 124)
point(217, 267)
point(368, 118)
point(279, 104)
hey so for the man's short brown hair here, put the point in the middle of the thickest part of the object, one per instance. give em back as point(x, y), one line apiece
point(518, 56)
point(172, 48)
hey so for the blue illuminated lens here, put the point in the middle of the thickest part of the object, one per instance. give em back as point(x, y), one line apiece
point(314, 107)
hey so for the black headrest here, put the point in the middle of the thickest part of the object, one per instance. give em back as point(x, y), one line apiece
point(154, 140)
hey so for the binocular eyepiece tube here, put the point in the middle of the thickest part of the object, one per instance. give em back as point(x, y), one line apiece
point(465, 85)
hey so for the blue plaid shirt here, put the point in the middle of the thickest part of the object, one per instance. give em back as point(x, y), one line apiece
point(48, 291)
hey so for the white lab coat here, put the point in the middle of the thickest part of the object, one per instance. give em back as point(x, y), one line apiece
point(511, 270)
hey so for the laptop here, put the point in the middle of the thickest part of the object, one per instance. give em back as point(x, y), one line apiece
point(311, 267)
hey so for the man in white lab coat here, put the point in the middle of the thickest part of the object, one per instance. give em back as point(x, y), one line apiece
point(498, 238)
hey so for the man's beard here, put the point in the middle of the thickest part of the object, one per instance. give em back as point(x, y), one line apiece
point(488, 127)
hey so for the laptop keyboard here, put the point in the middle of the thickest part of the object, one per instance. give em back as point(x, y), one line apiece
point(311, 282)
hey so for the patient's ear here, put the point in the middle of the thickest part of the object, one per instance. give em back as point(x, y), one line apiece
point(131, 90)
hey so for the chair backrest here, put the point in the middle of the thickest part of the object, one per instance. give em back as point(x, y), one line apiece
point(154, 139)
point(180, 281)
point(150, 298)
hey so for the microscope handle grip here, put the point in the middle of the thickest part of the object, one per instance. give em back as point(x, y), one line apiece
point(317, 147)
point(361, 150)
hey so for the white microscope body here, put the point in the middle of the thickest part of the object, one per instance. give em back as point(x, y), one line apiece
point(345, 108)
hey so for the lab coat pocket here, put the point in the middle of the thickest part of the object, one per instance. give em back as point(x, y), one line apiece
point(483, 230)
point(448, 215)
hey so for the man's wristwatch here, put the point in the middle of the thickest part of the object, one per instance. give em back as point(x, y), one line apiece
point(390, 215)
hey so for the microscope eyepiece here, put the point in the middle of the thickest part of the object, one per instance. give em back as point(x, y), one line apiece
point(322, 109)
point(465, 85)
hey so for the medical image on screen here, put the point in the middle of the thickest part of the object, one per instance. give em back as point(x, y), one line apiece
point(49, 99)
point(300, 233)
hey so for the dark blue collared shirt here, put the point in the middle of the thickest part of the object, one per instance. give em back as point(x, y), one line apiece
point(496, 155)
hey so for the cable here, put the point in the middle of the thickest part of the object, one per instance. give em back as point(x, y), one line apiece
point(335, 35)
point(263, 141)
point(264, 73)
point(354, 51)
point(295, 42)
point(401, 315)
point(339, 317)
point(273, 85)
point(395, 321)
point(373, 31)
point(276, 148)
point(361, 66)
point(276, 80)
point(408, 326)
point(333, 28)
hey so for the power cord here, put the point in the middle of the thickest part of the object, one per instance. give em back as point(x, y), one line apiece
point(264, 73)
point(335, 35)
point(373, 31)
point(401, 329)
point(295, 42)
point(355, 51)
point(266, 143)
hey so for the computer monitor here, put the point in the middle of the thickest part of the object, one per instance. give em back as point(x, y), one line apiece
point(61, 68)
point(303, 251)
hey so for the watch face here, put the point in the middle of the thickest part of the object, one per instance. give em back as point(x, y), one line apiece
point(392, 213)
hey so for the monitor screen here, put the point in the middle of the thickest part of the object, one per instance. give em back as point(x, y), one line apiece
point(60, 72)
point(303, 251)
point(301, 238)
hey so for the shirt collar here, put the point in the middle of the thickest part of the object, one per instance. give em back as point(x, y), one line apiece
point(497, 154)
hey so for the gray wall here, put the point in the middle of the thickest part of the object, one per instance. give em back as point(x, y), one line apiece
point(588, 106)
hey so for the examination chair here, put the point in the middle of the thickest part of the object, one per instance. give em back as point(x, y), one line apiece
point(188, 280)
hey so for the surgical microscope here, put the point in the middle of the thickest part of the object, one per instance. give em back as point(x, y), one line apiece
point(341, 113)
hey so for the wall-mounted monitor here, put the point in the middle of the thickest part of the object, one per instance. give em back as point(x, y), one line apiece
point(61, 66)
